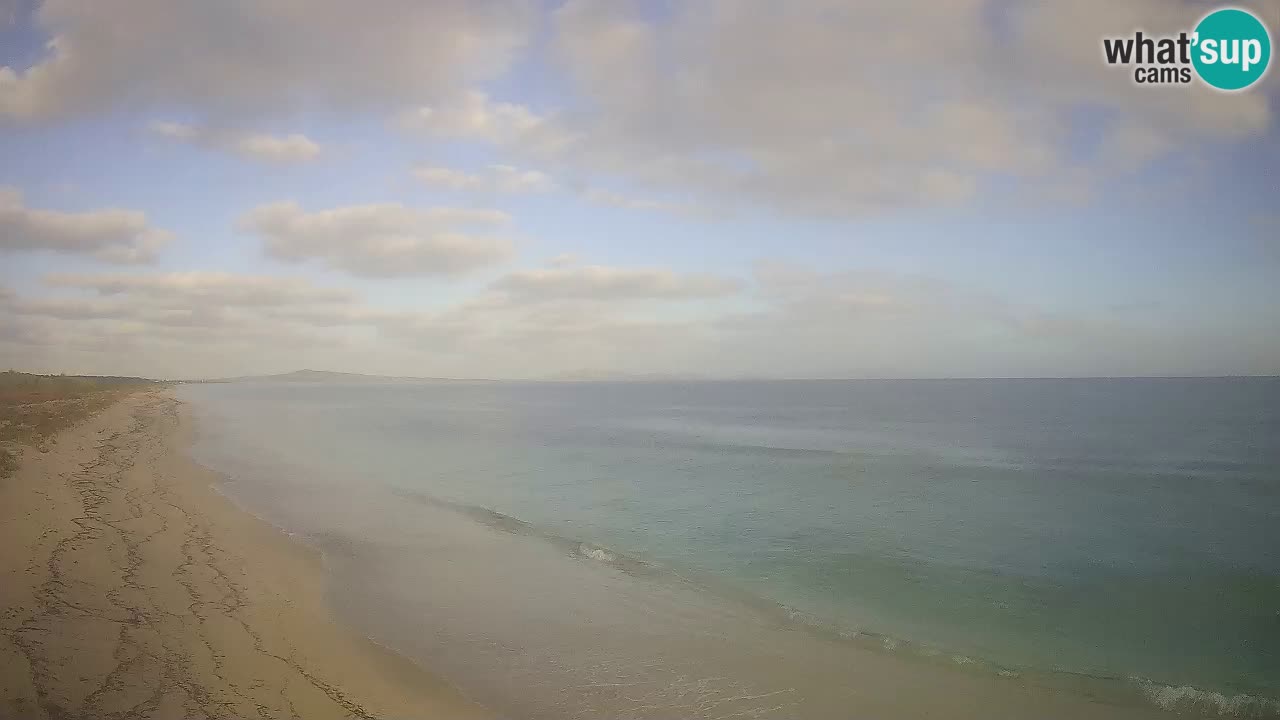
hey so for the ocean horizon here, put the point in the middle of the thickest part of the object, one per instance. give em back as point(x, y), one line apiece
point(720, 547)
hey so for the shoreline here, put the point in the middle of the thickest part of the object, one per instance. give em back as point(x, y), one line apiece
point(501, 566)
point(133, 588)
point(142, 588)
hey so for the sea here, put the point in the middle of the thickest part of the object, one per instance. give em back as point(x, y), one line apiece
point(788, 549)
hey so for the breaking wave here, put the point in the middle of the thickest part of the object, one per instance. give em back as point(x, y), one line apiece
point(1174, 698)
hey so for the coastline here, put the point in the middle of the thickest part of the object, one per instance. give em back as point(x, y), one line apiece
point(132, 588)
point(136, 586)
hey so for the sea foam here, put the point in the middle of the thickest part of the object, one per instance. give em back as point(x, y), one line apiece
point(1185, 698)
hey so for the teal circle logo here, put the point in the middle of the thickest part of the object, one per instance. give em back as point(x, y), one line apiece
point(1231, 49)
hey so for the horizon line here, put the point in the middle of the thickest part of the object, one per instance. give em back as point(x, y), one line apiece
point(661, 377)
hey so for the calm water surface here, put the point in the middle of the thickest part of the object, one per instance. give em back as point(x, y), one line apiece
point(565, 549)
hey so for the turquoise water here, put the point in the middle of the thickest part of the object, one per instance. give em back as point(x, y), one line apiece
point(1094, 532)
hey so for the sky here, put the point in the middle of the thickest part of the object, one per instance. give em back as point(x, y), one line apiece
point(565, 189)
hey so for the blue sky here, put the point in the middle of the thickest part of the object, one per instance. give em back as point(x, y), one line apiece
point(999, 203)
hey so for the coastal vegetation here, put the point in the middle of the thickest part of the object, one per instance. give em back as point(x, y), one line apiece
point(33, 408)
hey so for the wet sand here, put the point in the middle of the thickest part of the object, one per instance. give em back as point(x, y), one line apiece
point(129, 588)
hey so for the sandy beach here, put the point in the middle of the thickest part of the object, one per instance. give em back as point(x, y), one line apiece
point(129, 588)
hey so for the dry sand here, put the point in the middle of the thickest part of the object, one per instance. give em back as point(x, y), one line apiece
point(128, 588)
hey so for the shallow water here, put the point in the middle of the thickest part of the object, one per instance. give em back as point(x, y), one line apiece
point(721, 548)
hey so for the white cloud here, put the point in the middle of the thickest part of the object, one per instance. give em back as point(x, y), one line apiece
point(472, 115)
point(291, 148)
point(253, 57)
point(383, 240)
point(597, 282)
point(499, 336)
point(176, 131)
point(814, 107)
point(216, 288)
point(498, 178)
point(789, 320)
point(495, 178)
point(112, 235)
point(549, 321)
point(823, 108)
point(129, 312)
point(340, 316)
point(185, 324)
point(66, 308)
point(797, 322)
point(881, 324)
point(166, 345)
point(448, 178)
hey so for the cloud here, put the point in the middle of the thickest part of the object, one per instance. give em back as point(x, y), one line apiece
point(826, 109)
point(812, 130)
point(291, 148)
point(183, 324)
point(546, 322)
point(786, 320)
point(113, 235)
point(18, 332)
point(864, 323)
point(792, 105)
point(496, 335)
point(342, 316)
point(126, 311)
point(66, 308)
point(212, 288)
point(597, 282)
point(208, 344)
point(498, 178)
point(472, 115)
point(222, 58)
point(791, 320)
point(493, 179)
point(383, 240)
